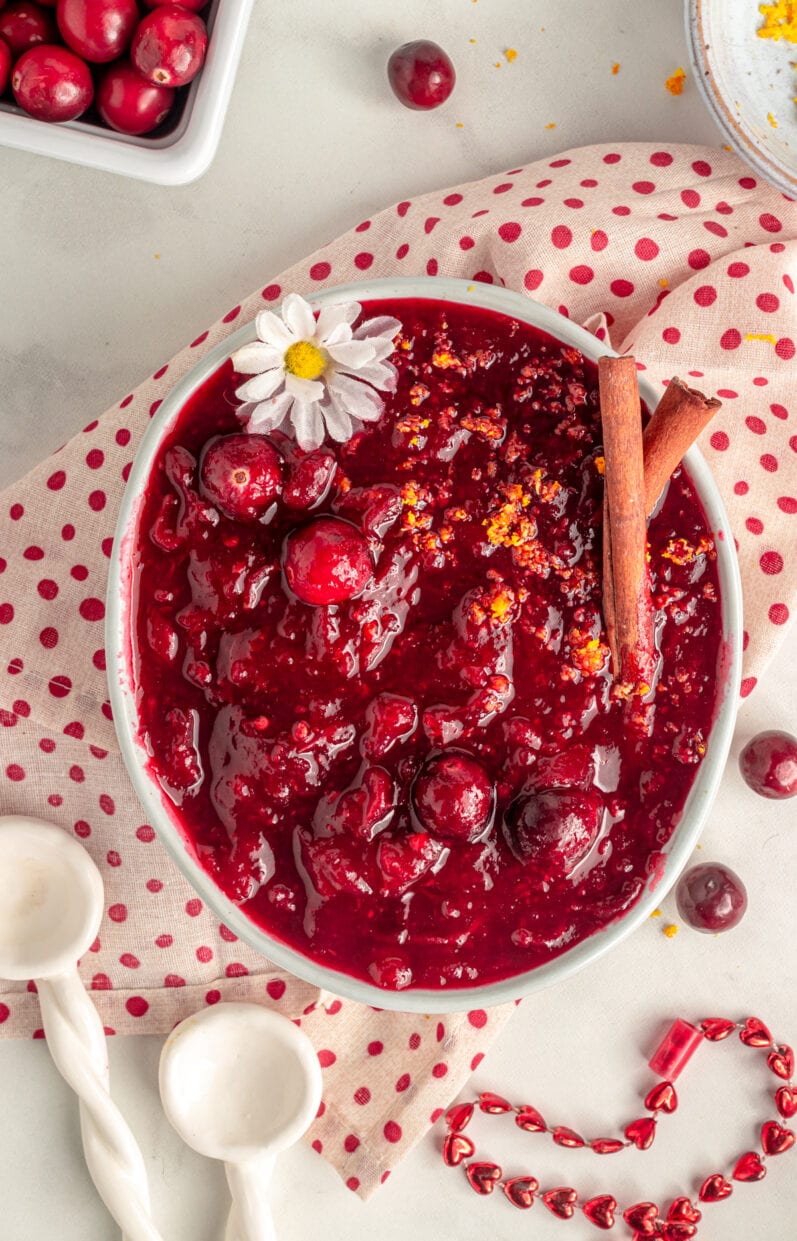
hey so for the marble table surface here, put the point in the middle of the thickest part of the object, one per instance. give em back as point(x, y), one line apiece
point(102, 279)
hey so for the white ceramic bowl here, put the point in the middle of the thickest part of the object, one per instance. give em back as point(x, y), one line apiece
point(160, 810)
point(177, 156)
point(748, 83)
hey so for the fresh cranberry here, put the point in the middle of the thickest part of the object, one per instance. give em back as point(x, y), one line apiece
point(453, 797)
point(5, 64)
point(99, 30)
point(169, 46)
point(129, 104)
point(769, 764)
point(242, 474)
point(554, 830)
point(711, 897)
point(327, 561)
point(421, 75)
point(193, 6)
point(52, 83)
point(23, 25)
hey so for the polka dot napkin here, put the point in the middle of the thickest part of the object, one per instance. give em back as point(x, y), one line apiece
point(679, 255)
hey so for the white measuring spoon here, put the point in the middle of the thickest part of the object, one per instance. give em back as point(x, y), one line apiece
point(51, 904)
point(241, 1083)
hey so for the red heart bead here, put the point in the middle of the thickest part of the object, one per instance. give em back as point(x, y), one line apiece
point(775, 1140)
point(607, 1146)
point(781, 1062)
point(786, 1099)
point(677, 1231)
point(749, 1168)
point(529, 1118)
point(715, 1188)
point(717, 1028)
point(456, 1147)
point(683, 1211)
point(642, 1216)
point(563, 1136)
point(493, 1104)
point(662, 1098)
point(560, 1201)
point(600, 1211)
point(641, 1132)
point(458, 1116)
point(483, 1176)
point(520, 1191)
point(754, 1033)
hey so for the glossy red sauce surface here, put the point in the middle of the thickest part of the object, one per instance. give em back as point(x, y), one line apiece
point(430, 784)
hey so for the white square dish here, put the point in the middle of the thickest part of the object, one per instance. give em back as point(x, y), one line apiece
point(180, 154)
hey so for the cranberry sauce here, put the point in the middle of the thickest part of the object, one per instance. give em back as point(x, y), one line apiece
point(374, 679)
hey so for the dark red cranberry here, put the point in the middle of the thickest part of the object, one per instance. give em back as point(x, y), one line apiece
point(711, 897)
point(129, 104)
point(52, 83)
point(169, 46)
point(327, 561)
point(193, 6)
point(453, 797)
point(23, 25)
point(421, 75)
point(769, 764)
point(5, 65)
point(242, 474)
point(99, 30)
point(554, 830)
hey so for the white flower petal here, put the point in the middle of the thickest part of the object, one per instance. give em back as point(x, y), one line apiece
point(298, 315)
point(331, 317)
point(272, 331)
point(307, 391)
point(352, 353)
point(338, 422)
point(358, 399)
point(383, 346)
point(383, 375)
point(262, 386)
point(255, 358)
point(308, 425)
point(338, 335)
point(269, 414)
point(381, 325)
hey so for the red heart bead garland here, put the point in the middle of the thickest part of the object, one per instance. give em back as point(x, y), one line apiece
point(677, 1222)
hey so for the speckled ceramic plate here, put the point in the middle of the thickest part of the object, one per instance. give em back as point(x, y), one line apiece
point(749, 85)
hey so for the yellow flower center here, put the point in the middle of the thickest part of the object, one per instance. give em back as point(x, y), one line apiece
point(305, 360)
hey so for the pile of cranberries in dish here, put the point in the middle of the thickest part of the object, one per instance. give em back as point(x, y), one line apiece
point(126, 60)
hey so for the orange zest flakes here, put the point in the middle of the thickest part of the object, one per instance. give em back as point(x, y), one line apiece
point(508, 525)
point(418, 393)
point(551, 125)
point(656, 913)
point(546, 488)
point(445, 360)
point(497, 605)
point(616, 68)
point(600, 465)
point(670, 931)
point(772, 120)
point(675, 83)
point(680, 551)
point(511, 54)
point(589, 655)
point(490, 425)
point(780, 21)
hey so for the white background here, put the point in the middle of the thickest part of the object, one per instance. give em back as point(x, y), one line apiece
point(101, 280)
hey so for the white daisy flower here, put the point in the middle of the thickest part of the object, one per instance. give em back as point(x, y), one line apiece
point(323, 375)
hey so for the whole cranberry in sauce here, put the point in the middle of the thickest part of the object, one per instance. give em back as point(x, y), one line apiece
point(129, 104)
point(454, 797)
point(52, 83)
point(421, 75)
point(769, 764)
point(98, 30)
point(242, 475)
point(169, 46)
point(192, 6)
point(711, 897)
point(23, 25)
point(327, 561)
point(555, 829)
point(5, 65)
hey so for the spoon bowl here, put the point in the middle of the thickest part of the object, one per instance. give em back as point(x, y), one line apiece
point(51, 899)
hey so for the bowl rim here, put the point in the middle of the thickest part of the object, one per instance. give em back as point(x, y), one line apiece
point(121, 606)
point(701, 52)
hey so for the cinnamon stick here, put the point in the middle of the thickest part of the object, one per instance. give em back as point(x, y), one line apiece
point(628, 609)
point(679, 417)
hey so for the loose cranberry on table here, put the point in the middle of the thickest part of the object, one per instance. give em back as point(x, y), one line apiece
point(769, 764)
point(327, 561)
point(129, 104)
point(554, 830)
point(169, 46)
point(23, 25)
point(454, 797)
point(711, 898)
point(98, 30)
point(52, 83)
point(5, 64)
point(421, 75)
point(242, 475)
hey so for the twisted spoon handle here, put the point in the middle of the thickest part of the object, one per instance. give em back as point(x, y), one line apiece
point(250, 1217)
point(76, 1040)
